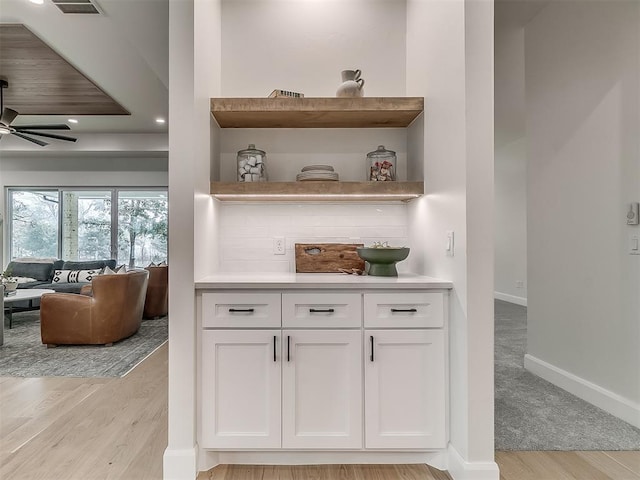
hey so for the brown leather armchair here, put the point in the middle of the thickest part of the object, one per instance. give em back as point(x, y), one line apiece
point(113, 313)
point(156, 302)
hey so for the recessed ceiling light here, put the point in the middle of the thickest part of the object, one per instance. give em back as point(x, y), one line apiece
point(37, 2)
point(160, 120)
point(72, 120)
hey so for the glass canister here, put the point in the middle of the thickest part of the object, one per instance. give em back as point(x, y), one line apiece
point(381, 165)
point(252, 166)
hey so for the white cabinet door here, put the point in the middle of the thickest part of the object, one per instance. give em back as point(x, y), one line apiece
point(322, 389)
point(404, 389)
point(241, 373)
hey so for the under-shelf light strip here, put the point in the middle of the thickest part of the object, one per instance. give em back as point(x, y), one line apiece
point(241, 196)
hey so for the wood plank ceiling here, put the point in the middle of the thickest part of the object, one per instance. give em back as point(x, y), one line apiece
point(41, 82)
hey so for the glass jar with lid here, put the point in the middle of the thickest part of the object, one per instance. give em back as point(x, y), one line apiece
point(381, 165)
point(252, 165)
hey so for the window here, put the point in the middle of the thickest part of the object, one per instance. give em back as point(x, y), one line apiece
point(129, 225)
point(34, 223)
point(86, 225)
point(142, 227)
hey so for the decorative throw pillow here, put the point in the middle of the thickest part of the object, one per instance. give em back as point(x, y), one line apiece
point(151, 265)
point(109, 271)
point(74, 276)
point(25, 279)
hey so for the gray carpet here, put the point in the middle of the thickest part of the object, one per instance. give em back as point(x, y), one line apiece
point(24, 355)
point(533, 414)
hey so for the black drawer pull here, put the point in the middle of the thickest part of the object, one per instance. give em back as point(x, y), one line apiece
point(371, 339)
point(274, 348)
point(318, 310)
point(404, 310)
point(288, 348)
point(241, 310)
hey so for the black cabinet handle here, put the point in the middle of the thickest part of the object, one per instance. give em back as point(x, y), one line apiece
point(371, 339)
point(317, 310)
point(288, 348)
point(405, 310)
point(274, 348)
point(241, 310)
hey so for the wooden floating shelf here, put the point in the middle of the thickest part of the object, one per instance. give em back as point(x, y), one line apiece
point(307, 112)
point(317, 191)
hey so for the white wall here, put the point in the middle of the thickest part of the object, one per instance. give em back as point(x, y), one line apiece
point(583, 99)
point(194, 61)
point(510, 114)
point(303, 46)
point(450, 62)
point(511, 222)
point(510, 161)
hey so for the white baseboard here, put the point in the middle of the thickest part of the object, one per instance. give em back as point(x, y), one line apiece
point(510, 298)
point(179, 464)
point(608, 401)
point(460, 469)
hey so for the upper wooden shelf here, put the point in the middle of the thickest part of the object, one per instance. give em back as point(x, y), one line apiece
point(365, 112)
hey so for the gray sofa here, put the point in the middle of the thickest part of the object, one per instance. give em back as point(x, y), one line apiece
point(43, 273)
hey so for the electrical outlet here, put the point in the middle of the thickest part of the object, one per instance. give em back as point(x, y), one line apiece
point(519, 284)
point(278, 245)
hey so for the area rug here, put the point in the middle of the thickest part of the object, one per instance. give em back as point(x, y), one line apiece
point(533, 414)
point(24, 355)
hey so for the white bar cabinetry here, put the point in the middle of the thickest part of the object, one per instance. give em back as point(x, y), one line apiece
point(330, 371)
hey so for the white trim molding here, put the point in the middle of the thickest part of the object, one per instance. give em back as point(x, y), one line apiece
point(460, 469)
point(179, 464)
point(510, 298)
point(608, 401)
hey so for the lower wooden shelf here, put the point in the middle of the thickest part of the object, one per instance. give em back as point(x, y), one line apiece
point(317, 191)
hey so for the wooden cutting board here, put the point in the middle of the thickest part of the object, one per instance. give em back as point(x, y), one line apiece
point(327, 257)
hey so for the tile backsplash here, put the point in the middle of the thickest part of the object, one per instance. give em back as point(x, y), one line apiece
point(247, 231)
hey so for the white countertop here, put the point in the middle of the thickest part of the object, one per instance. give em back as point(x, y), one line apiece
point(318, 280)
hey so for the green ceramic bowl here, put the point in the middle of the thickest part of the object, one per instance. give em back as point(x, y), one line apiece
point(382, 261)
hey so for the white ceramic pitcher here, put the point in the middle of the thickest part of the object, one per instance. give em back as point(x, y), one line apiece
point(351, 84)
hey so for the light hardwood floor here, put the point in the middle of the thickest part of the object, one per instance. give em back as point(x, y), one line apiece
point(85, 429)
point(90, 429)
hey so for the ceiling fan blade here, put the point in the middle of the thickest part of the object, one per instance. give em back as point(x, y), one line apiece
point(58, 126)
point(48, 135)
point(8, 116)
point(34, 140)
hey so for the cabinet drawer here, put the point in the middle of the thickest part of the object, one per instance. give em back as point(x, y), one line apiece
point(241, 310)
point(317, 310)
point(411, 310)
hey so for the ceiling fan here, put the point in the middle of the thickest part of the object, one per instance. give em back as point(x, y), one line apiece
point(9, 115)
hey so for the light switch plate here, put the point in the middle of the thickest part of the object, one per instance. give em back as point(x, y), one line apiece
point(450, 245)
point(632, 213)
point(634, 245)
